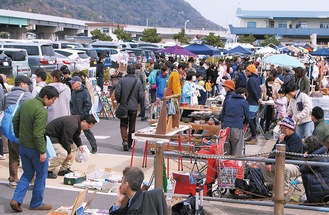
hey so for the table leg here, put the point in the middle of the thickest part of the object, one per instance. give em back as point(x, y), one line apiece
point(132, 153)
point(168, 159)
point(144, 163)
point(190, 142)
point(180, 158)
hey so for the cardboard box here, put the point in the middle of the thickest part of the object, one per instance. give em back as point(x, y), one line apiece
point(73, 178)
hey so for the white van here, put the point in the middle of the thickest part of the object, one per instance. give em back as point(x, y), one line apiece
point(20, 61)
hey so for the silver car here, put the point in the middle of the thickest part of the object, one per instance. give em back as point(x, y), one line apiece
point(62, 60)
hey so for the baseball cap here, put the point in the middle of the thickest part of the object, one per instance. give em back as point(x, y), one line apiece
point(75, 79)
point(23, 78)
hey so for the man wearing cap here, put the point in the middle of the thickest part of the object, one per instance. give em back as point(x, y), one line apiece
point(63, 131)
point(253, 99)
point(23, 86)
point(80, 105)
point(294, 144)
point(235, 114)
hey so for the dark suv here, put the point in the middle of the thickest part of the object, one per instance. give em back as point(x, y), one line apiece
point(5, 65)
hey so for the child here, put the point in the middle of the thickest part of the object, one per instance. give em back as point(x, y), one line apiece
point(202, 98)
point(281, 105)
point(209, 87)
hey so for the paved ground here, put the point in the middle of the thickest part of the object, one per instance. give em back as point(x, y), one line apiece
point(111, 156)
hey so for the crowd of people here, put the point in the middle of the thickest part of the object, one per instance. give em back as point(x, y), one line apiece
point(69, 99)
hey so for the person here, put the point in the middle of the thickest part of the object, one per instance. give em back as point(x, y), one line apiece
point(161, 81)
point(86, 81)
point(100, 72)
point(202, 93)
point(321, 128)
point(189, 92)
point(288, 78)
point(63, 131)
point(66, 75)
point(253, 99)
point(3, 92)
point(267, 95)
point(240, 78)
point(29, 125)
point(293, 144)
point(40, 81)
point(176, 80)
point(229, 87)
point(300, 108)
point(152, 86)
point(235, 114)
point(302, 81)
point(122, 91)
point(132, 200)
point(140, 74)
point(209, 87)
point(23, 86)
point(281, 105)
point(61, 106)
point(315, 178)
point(80, 105)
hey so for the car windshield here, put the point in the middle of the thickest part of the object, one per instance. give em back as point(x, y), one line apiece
point(16, 55)
point(47, 50)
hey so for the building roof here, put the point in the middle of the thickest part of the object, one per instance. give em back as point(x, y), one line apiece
point(267, 14)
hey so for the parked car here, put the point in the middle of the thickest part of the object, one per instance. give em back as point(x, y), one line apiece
point(66, 45)
point(131, 57)
point(5, 64)
point(80, 57)
point(20, 61)
point(92, 54)
point(63, 60)
point(40, 55)
point(139, 53)
point(154, 49)
point(106, 52)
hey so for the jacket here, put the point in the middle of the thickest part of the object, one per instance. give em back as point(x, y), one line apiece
point(100, 70)
point(61, 106)
point(80, 101)
point(304, 115)
point(65, 130)
point(174, 83)
point(12, 97)
point(123, 88)
point(316, 185)
point(254, 91)
point(303, 84)
point(161, 83)
point(133, 208)
point(235, 112)
point(29, 124)
point(321, 131)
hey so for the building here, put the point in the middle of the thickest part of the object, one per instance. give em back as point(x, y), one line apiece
point(289, 26)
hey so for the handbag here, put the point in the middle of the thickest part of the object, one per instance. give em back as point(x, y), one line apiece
point(122, 109)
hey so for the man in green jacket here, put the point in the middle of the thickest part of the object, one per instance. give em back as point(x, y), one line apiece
point(321, 128)
point(29, 125)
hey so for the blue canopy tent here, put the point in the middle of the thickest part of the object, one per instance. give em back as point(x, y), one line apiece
point(203, 49)
point(321, 52)
point(239, 50)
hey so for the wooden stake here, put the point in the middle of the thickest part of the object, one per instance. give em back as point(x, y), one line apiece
point(280, 159)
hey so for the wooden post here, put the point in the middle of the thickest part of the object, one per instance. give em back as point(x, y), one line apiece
point(159, 165)
point(279, 179)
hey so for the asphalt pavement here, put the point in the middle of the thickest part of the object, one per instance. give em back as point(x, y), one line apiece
point(111, 155)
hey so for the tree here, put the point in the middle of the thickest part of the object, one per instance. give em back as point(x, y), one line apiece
point(121, 34)
point(151, 35)
point(97, 34)
point(247, 39)
point(181, 37)
point(270, 39)
point(213, 40)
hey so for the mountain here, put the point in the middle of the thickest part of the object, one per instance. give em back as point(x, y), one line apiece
point(154, 13)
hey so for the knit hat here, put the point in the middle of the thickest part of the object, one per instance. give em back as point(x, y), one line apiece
point(288, 122)
point(230, 84)
point(251, 68)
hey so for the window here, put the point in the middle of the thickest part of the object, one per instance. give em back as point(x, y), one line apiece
point(106, 30)
point(282, 24)
point(301, 25)
point(271, 23)
point(324, 25)
point(251, 24)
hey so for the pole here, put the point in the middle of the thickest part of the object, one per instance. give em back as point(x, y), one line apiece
point(159, 165)
point(185, 25)
point(279, 177)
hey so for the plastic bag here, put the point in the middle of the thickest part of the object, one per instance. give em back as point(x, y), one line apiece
point(84, 156)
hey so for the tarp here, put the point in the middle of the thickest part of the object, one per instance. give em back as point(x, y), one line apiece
point(176, 50)
point(284, 60)
point(203, 49)
point(239, 50)
point(321, 52)
point(265, 50)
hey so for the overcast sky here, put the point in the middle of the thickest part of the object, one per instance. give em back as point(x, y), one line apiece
point(222, 12)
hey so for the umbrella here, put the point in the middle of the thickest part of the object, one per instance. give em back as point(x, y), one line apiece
point(176, 50)
point(239, 50)
point(202, 49)
point(283, 60)
point(321, 52)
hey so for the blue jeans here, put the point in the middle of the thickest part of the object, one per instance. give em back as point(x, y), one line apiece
point(305, 130)
point(31, 164)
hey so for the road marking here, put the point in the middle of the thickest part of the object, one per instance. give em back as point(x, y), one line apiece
point(102, 137)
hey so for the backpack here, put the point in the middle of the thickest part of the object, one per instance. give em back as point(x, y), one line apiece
point(7, 121)
point(256, 182)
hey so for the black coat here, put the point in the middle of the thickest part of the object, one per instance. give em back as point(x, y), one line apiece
point(80, 103)
point(316, 185)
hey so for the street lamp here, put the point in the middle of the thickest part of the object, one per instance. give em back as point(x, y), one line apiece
point(185, 24)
